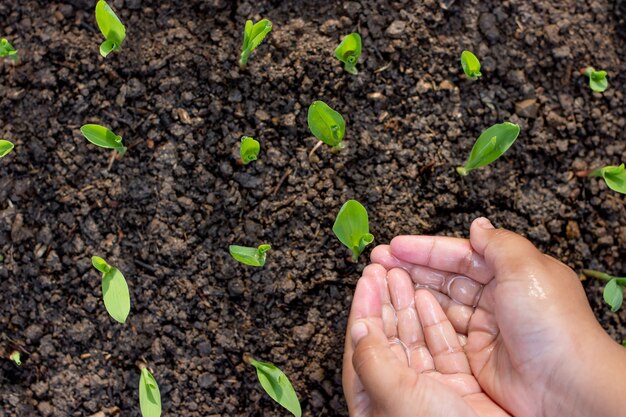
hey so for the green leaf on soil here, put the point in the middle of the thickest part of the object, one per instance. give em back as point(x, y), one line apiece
point(352, 227)
point(6, 49)
point(111, 27)
point(614, 176)
point(277, 386)
point(349, 51)
point(614, 294)
point(253, 35)
point(149, 395)
point(470, 64)
point(5, 147)
point(326, 124)
point(490, 145)
point(249, 256)
point(16, 357)
point(115, 291)
point(597, 79)
point(249, 150)
point(103, 137)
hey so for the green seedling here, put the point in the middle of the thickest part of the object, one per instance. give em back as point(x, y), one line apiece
point(7, 50)
point(111, 27)
point(597, 79)
point(114, 290)
point(249, 150)
point(253, 35)
point(149, 394)
point(277, 386)
point(349, 51)
point(249, 256)
point(5, 147)
point(352, 228)
point(103, 137)
point(613, 290)
point(614, 176)
point(326, 124)
point(15, 356)
point(470, 64)
point(490, 145)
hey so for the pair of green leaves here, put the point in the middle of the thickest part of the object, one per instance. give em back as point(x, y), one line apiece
point(103, 137)
point(613, 290)
point(614, 176)
point(249, 150)
point(352, 227)
point(111, 27)
point(7, 50)
point(114, 290)
point(249, 256)
point(326, 124)
point(490, 145)
point(277, 385)
point(470, 65)
point(597, 79)
point(5, 147)
point(349, 51)
point(149, 395)
point(253, 35)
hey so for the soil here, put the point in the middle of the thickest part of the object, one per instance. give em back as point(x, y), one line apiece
point(166, 213)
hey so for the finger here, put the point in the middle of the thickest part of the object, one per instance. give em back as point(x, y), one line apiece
point(443, 253)
point(460, 288)
point(402, 293)
point(458, 314)
point(441, 338)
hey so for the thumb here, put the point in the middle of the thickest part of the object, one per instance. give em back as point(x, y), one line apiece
point(379, 369)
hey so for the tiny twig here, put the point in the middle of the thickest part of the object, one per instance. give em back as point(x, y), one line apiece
point(281, 181)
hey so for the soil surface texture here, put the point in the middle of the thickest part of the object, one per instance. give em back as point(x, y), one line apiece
point(166, 212)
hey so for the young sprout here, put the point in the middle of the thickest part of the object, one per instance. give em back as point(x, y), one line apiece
point(614, 176)
point(249, 256)
point(597, 79)
point(253, 35)
point(5, 147)
point(349, 51)
point(352, 228)
point(326, 124)
point(249, 150)
point(114, 290)
point(490, 145)
point(277, 386)
point(16, 357)
point(470, 64)
point(613, 290)
point(7, 50)
point(103, 137)
point(149, 394)
point(111, 27)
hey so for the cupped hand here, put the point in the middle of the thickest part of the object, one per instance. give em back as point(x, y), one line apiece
point(533, 342)
point(402, 355)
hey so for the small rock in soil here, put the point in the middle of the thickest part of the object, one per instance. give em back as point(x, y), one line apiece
point(247, 180)
point(527, 108)
point(489, 27)
point(33, 333)
point(396, 29)
point(303, 333)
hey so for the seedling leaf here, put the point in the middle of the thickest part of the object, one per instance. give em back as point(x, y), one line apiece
point(7, 50)
point(253, 35)
point(249, 256)
point(16, 357)
point(326, 124)
point(613, 294)
point(490, 145)
point(149, 395)
point(470, 64)
point(115, 292)
point(103, 137)
point(614, 176)
point(352, 227)
point(277, 385)
point(249, 150)
point(597, 79)
point(349, 51)
point(111, 27)
point(5, 147)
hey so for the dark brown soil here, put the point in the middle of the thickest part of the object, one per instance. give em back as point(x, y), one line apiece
point(166, 213)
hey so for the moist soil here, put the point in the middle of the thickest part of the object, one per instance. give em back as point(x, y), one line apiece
point(166, 212)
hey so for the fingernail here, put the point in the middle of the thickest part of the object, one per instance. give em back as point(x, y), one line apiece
point(484, 223)
point(358, 332)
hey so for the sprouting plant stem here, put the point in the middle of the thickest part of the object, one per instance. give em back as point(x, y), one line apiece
point(316, 147)
point(461, 171)
point(603, 276)
point(243, 60)
point(595, 173)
